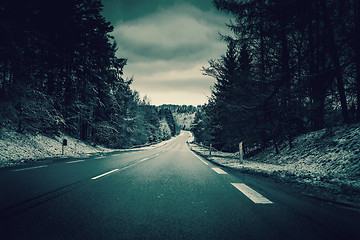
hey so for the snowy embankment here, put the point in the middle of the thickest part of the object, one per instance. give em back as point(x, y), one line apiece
point(24, 148)
point(327, 161)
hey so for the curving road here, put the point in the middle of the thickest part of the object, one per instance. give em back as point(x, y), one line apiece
point(165, 192)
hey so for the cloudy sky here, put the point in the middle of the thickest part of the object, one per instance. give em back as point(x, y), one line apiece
point(166, 43)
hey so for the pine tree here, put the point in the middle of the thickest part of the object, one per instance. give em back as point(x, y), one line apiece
point(300, 54)
point(58, 66)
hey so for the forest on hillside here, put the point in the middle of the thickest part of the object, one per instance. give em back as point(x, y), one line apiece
point(183, 115)
point(290, 67)
point(59, 74)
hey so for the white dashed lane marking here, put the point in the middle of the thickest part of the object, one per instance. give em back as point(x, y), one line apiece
point(102, 175)
point(219, 170)
point(121, 169)
point(251, 194)
point(142, 160)
point(76, 161)
point(29, 168)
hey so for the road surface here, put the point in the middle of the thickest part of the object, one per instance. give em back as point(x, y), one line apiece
point(162, 193)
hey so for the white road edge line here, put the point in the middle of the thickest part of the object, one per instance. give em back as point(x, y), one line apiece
point(142, 160)
point(219, 170)
point(76, 161)
point(199, 157)
point(30, 168)
point(251, 194)
point(104, 174)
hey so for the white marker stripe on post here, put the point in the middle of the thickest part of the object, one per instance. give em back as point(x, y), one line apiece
point(251, 194)
point(219, 170)
point(102, 175)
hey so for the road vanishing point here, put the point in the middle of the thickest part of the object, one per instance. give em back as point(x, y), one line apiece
point(165, 192)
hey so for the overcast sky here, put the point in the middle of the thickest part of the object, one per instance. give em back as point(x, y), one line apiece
point(166, 43)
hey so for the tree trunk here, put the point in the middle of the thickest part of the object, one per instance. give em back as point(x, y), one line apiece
point(317, 82)
point(357, 54)
point(262, 51)
point(19, 108)
point(333, 51)
point(290, 141)
point(276, 147)
point(4, 73)
point(318, 109)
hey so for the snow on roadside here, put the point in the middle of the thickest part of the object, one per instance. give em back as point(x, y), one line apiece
point(17, 148)
point(21, 148)
point(325, 160)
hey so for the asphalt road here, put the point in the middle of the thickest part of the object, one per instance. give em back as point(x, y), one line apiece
point(161, 193)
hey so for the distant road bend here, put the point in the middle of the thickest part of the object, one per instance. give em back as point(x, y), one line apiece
point(166, 192)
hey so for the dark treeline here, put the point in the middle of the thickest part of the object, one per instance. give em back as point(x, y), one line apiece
point(59, 73)
point(290, 67)
point(180, 108)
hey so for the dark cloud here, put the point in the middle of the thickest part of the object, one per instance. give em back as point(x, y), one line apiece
point(166, 44)
point(125, 10)
point(171, 33)
point(150, 52)
point(182, 86)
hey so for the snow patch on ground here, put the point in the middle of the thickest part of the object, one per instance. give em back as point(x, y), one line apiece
point(327, 160)
point(17, 148)
point(23, 148)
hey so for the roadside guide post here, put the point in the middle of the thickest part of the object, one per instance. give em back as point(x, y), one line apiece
point(241, 152)
point(210, 149)
point(64, 143)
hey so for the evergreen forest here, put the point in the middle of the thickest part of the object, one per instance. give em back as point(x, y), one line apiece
point(59, 74)
point(290, 67)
